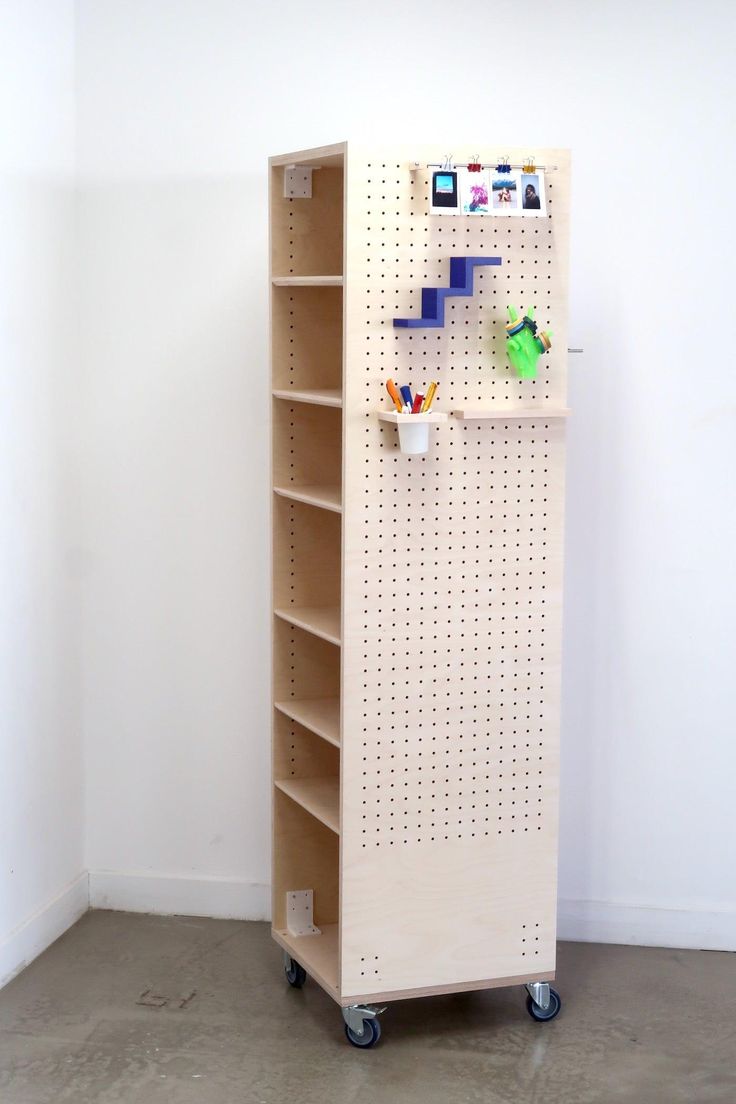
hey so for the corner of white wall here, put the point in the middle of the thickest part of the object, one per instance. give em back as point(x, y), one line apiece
point(42, 891)
point(43, 928)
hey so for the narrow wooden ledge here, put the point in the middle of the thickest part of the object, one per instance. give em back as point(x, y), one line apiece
point(509, 414)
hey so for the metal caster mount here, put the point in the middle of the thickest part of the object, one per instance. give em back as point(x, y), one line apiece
point(543, 1002)
point(296, 975)
point(361, 1024)
point(361, 1020)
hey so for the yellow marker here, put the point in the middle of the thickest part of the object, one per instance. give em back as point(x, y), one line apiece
point(391, 388)
point(428, 400)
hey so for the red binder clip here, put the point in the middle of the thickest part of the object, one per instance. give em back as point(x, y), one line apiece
point(474, 164)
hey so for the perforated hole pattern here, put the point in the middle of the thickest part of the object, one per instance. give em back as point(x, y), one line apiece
point(460, 550)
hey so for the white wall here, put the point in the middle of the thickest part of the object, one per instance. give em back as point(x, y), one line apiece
point(180, 103)
point(42, 884)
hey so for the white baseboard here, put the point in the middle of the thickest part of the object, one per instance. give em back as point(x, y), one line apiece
point(584, 921)
point(605, 922)
point(174, 895)
point(40, 930)
point(238, 899)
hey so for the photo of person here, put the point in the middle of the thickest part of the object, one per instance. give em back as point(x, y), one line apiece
point(532, 194)
point(474, 193)
point(505, 193)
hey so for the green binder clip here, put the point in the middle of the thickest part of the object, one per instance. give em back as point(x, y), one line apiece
point(524, 344)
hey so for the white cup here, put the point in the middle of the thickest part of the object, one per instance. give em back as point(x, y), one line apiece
point(414, 436)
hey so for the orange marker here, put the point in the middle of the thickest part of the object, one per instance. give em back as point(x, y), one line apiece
point(391, 388)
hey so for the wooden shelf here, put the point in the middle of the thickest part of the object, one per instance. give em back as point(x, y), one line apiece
point(320, 396)
point(509, 414)
point(307, 281)
point(319, 796)
point(322, 621)
point(319, 715)
point(328, 498)
point(316, 953)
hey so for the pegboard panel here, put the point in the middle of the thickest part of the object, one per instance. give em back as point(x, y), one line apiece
point(451, 595)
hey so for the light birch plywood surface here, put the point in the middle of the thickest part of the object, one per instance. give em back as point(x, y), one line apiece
point(452, 595)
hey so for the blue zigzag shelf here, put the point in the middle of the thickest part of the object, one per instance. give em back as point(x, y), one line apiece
point(433, 299)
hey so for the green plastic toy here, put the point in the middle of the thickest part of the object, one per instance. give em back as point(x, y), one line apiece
point(524, 345)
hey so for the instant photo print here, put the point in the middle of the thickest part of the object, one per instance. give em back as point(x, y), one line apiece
point(505, 194)
point(475, 192)
point(533, 202)
point(445, 196)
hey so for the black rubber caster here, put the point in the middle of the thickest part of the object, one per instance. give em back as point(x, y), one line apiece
point(369, 1038)
point(296, 975)
point(548, 1013)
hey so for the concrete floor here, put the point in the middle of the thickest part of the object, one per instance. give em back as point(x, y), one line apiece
point(107, 1015)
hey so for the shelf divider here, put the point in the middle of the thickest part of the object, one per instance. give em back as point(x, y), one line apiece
point(319, 715)
point(319, 396)
point(307, 281)
point(328, 498)
point(319, 796)
point(322, 621)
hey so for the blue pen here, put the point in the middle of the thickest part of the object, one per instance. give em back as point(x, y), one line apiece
point(406, 395)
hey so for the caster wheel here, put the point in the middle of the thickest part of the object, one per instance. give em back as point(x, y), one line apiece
point(544, 1014)
point(296, 975)
point(369, 1038)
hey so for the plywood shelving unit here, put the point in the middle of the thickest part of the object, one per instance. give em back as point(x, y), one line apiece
point(416, 599)
point(307, 437)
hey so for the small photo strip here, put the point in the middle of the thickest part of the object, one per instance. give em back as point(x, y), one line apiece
point(533, 202)
point(505, 193)
point(475, 192)
point(457, 191)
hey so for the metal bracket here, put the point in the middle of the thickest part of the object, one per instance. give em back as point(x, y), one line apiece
point(539, 992)
point(299, 912)
point(298, 182)
point(355, 1015)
